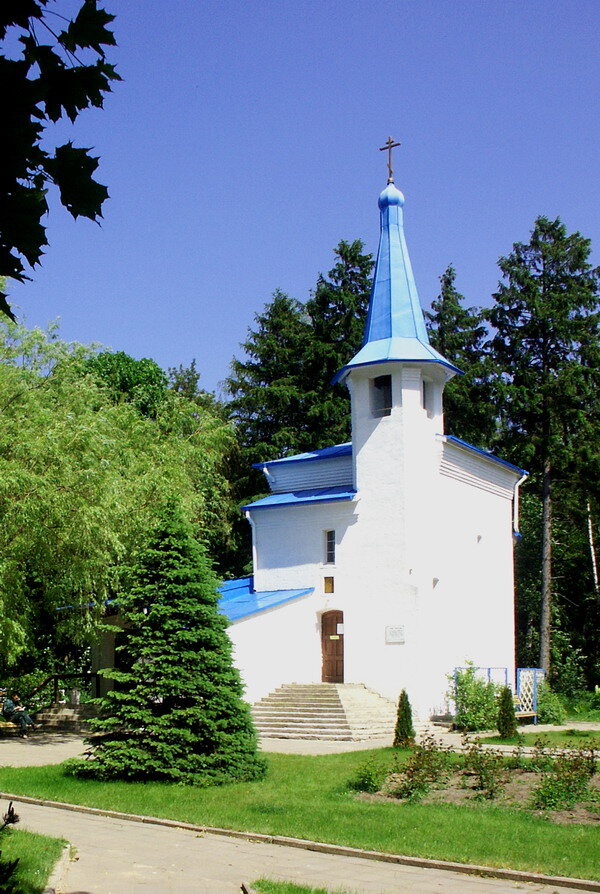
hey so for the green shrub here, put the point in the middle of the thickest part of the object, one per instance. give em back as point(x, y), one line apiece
point(583, 705)
point(474, 700)
point(488, 768)
point(515, 760)
point(567, 783)
point(543, 755)
point(550, 708)
point(404, 734)
point(369, 777)
point(426, 766)
point(507, 721)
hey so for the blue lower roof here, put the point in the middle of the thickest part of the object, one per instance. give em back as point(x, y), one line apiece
point(240, 600)
point(322, 453)
point(303, 497)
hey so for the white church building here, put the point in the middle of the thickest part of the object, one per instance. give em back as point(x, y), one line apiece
point(386, 561)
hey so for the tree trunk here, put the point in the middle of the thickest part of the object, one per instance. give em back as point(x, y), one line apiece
point(546, 608)
point(593, 550)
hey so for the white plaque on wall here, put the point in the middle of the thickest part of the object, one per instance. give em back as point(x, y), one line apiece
point(394, 635)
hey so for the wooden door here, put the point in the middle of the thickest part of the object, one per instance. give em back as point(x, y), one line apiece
point(332, 646)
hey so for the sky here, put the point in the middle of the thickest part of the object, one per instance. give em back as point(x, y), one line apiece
point(242, 146)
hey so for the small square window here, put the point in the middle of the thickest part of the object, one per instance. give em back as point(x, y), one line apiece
point(427, 396)
point(329, 547)
point(328, 585)
point(381, 396)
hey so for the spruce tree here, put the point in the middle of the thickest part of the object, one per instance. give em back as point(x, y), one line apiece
point(459, 334)
point(337, 311)
point(404, 734)
point(547, 351)
point(268, 400)
point(282, 400)
point(176, 712)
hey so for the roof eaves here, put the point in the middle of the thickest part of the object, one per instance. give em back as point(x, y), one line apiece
point(485, 453)
point(321, 454)
point(302, 498)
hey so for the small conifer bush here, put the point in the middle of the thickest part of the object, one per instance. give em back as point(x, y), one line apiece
point(507, 721)
point(404, 734)
point(176, 712)
point(8, 884)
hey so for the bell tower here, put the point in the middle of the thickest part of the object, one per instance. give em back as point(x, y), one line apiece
point(396, 384)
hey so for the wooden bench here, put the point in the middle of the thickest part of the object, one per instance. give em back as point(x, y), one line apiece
point(523, 715)
point(7, 728)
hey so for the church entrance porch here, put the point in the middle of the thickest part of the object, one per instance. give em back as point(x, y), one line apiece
point(328, 711)
point(332, 646)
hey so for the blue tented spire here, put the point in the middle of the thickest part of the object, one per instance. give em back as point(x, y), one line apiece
point(395, 328)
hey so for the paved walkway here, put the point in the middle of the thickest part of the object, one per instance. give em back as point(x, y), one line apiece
point(441, 734)
point(122, 857)
point(39, 749)
point(115, 856)
point(52, 748)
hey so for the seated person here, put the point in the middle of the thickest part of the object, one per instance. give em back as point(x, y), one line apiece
point(13, 710)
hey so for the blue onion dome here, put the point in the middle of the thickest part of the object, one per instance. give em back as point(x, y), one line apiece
point(390, 196)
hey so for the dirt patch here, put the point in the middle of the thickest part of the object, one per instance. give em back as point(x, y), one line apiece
point(460, 787)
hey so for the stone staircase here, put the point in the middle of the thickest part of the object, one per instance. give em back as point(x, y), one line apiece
point(64, 718)
point(332, 711)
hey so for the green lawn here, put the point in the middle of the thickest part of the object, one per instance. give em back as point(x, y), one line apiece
point(308, 797)
point(565, 738)
point(37, 855)
point(264, 886)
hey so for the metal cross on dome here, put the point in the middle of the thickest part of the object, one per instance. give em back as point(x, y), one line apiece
point(391, 144)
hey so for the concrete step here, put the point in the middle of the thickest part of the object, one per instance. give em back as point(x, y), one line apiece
point(299, 725)
point(271, 710)
point(332, 711)
point(65, 718)
point(339, 736)
point(289, 701)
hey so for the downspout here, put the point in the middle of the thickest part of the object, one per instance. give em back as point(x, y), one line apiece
point(516, 532)
point(254, 549)
point(268, 476)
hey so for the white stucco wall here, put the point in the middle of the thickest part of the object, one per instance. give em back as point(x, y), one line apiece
point(426, 547)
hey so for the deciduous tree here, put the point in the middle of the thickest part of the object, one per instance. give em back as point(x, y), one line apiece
point(81, 475)
point(59, 71)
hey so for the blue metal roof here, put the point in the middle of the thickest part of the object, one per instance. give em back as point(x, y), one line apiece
point(395, 328)
point(323, 453)
point(486, 453)
point(304, 497)
point(239, 600)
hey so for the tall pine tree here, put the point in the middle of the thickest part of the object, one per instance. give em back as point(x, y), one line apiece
point(176, 712)
point(268, 401)
point(337, 311)
point(459, 334)
point(546, 347)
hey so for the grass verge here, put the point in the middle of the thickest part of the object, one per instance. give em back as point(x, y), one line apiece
point(309, 797)
point(264, 886)
point(37, 855)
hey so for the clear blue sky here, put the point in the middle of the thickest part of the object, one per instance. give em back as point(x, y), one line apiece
point(243, 144)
